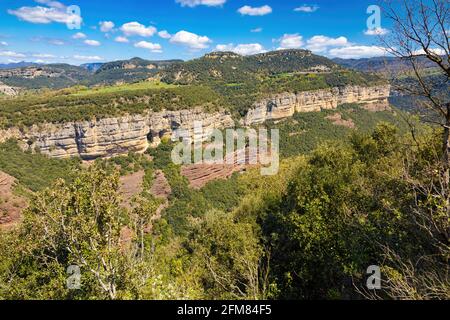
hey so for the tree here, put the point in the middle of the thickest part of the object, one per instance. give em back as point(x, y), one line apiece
point(420, 35)
point(230, 256)
point(81, 224)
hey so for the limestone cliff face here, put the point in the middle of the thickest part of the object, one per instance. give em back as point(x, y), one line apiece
point(120, 135)
point(285, 105)
point(7, 90)
point(112, 136)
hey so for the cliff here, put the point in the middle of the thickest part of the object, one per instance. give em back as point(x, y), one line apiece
point(114, 136)
point(285, 105)
point(111, 136)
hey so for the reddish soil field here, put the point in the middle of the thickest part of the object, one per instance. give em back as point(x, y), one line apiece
point(11, 205)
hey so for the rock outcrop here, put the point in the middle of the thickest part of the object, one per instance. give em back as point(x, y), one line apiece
point(114, 136)
point(285, 105)
point(7, 90)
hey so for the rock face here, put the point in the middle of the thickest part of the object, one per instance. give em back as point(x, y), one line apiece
point(112, 136)
point(285, 105)
point(7, 90)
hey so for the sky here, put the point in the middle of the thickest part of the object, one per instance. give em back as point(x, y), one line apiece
point(82, 31)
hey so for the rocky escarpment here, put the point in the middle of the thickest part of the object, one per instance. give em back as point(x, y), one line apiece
point(112, 136)
point(7, 90)
point(285, 105)
point(120, 135)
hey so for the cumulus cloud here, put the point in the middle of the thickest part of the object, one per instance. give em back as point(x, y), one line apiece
point(320, 44)
point(356, 52)
point(93, 43)
point(307, 8)
point(208, 3)
point(87, 58)
point(137, 29)
point(164, 34)
point(153, 47)
point(106, 26)
point(242, 49)
point(11, 54)
point(53, 12)
point(255, 11)
point(121, 39)
point(376, 32)
point(291, 41)
point(79, 35)
point(190, 40)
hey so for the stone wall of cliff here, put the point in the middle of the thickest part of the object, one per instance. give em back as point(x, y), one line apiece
point(111, 136)
point(285, 105)
point(115, 136)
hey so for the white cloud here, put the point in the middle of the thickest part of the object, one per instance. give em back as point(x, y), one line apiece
point(3, 43)
point(11, 54)
point(44, 56)
point(291, 41)
point(56, 12)
point(255, 11)
point(106, 26)
point(376, 32)
point(164, 34)
point(190, 40)
point(79, 35)
point(87, 58)
point(93, 43)
point(56, 42)
point(121, 39)
point(438, 51)
point(307, 8)
point(256, 30)
point(320, 44)
point(208, 3)
point(52, 4)
point(356, 52)
point(137, 29)
point(242, 49)
point(153, 47)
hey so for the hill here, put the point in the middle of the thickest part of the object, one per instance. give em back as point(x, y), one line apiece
point(53, 76)
point(229, 67)
point(126, 71)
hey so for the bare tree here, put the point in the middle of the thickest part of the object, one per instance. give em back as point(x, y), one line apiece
point(420, 36)
point(420, 39)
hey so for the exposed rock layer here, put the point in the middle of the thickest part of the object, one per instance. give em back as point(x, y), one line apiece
point(285, 105)
point(114, 136)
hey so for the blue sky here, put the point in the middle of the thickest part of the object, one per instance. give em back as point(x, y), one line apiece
point(40, 30)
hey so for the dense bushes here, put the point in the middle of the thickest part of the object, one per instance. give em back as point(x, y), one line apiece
point(34, 171)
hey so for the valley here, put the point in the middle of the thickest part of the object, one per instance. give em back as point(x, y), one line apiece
point(93, 143)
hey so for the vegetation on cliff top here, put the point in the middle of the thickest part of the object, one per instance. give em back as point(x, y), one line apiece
point(218, 80)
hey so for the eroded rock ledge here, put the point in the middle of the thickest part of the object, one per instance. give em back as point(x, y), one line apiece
point(285, 105)
point(114, 136)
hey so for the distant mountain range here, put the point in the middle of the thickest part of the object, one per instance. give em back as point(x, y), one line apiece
point(17, 65)
point(227, 67)
point(392, 65)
